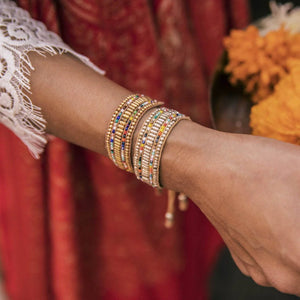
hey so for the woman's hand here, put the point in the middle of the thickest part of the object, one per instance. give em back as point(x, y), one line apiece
point(249, 188)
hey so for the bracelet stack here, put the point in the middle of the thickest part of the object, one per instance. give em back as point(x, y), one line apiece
point(146, 157)
point(122, 126)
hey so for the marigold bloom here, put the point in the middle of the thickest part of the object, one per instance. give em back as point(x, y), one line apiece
point(260, 62)
point(278, 116)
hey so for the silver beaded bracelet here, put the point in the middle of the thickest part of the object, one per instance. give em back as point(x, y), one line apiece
point(150, 144)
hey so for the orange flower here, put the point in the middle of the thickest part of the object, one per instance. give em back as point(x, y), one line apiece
point(260, 62)
point(278, 116)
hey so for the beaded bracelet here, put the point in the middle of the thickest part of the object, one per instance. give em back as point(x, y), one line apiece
point(140, 144)
point(150, 147)
point(150, 140)
point(122, 126)
point(109, 141)
point(145, 157)
point(161, 140)
point(129, 130)
point(150, 143)
point(122, 130)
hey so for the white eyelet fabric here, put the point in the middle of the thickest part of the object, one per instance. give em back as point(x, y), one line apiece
point(19, 35)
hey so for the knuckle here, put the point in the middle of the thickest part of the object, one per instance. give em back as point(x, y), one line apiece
point(284, 285)
point(260, 281)
point(295, 256)
point(244, 271)
point(258, 278)
point(283, 288)
point(291, 255)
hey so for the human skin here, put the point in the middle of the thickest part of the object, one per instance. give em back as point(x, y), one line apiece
point(248, 187)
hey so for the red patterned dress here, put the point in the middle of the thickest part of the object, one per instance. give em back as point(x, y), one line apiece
point(72, 226)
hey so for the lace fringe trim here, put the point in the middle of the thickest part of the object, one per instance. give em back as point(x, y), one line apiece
point(24, 118)
point(32, 125)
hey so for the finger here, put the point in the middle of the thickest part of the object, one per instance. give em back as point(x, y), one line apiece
point(246, 263)
point(254, 272)
point(265, 268)
point(284, 280)
point(238, 249)
point(258, 276)
point(240, 264)
point(280, 275)
point(289, 254)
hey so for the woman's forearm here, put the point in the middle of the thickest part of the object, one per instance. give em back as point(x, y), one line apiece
point(78, 104)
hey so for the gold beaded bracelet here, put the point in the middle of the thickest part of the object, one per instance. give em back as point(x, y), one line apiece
point(122, 126)
point(109, 141)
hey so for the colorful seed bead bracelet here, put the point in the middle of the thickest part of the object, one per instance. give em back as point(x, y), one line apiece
point(148, 145)
point(156, 148)
point(114, 123)
point(129, 130)
point(144, 141)
point(151, 140)
point(122, 131)
point(173, 121)
point(122, 126)
point(143, 134)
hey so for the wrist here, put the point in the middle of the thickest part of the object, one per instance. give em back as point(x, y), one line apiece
point(185, 156)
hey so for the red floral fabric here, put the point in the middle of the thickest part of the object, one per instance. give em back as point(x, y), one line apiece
point(72, 226)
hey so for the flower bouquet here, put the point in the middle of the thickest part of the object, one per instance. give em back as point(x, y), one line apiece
point(256, 88)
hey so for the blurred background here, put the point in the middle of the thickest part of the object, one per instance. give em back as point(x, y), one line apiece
point(260, 8)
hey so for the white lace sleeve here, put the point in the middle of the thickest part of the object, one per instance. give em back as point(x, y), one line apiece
point(20, 34)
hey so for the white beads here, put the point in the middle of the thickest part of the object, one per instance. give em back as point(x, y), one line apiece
point(150, 143)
